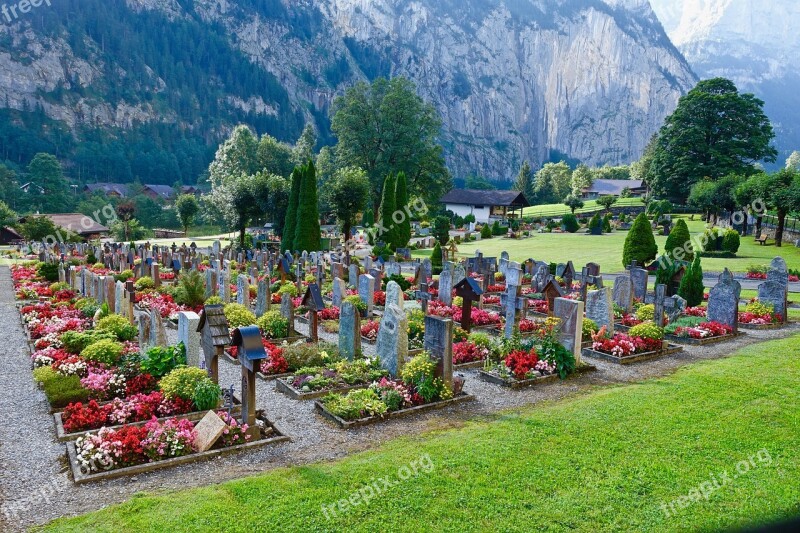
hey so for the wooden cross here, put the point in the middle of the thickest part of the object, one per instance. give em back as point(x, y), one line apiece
point(469, 291)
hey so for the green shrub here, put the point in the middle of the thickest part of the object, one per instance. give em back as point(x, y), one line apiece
point(122, 329)
point(420, 372)
point(497, 229)
point(646, 312)
point(191, 289)
point(273, 325)
point(436, 259)
point(161, 360)
point(596, 224)
point(145, 282)
point(589, 328)
point(239, 316)
point(679, 238)
point(124, 276)
point(570, 223)
point(356, 300)
point(305, 355)
point(731, 241)
point(213, 300)
point(691, 288)
point(182, 382)
point(355, 405)
point(49, 271)
point(640, 244)
point(683, 322)
point(76, 341)
point(607, 223)
point(103, 351)
point(87, 306)
point(486, 231)
point(206, 395)
point(59, 286)
point(288, 288)
point(60, 390)
point(399, 279)
point(647, 330)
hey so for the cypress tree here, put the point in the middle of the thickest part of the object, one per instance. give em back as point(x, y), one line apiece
point(436, 259)
point(386, 210)
point(403, 234)
point(678, 238)
point(691, 287)
point(640, 244)
point(307, 232)
point(290, 222)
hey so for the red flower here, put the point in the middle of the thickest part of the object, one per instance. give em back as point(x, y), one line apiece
point(520, 363)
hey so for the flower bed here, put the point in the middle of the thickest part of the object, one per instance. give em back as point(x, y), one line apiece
point(520, 368)
point(759, 316)
point(129, 450)
point(417, 390)
point(315, 382)
point(369, 331)
point(644, 341)
point(697, 331)
point(467, 354)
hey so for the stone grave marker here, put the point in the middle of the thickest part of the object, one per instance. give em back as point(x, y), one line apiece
point(639, 277)
point(394, 295)
point(439, 344)
point(512, 301)
point(189, 336)
point(243, 290)
point(158, 333)
point(600, 308)
point(287, 312)
point(423, 296)
point(623, 292)
point(570, 314)
point(446, 287)
point(366, 291)
point(339, 292)
point(392, 342)
point(723, 301)
point(263, 298)
point(775, 290)
point(552, 291)
point(349, 331)
point(208, 431)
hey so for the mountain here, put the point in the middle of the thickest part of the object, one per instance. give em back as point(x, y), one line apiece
point(146, 88)
point(754, 44)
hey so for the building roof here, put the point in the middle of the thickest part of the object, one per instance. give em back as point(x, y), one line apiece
point(165, 191)
point(481, 197)
point(75, 223)
point(613, 187)
point(217, 324)
point(120, 189)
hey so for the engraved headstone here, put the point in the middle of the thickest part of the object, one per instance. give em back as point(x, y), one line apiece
point(392, 342)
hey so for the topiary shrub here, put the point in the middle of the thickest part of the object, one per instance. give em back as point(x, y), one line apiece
point(59, 389)
point(239, 316)
point(570, 223)
point(607, 223)
point(119, 326)
point(596, 225)
point(497, 229)
point(680, 239)
point(731, 241)
point(647, 330)
point(182, 382)
point(273, 325)
point(103, 351)
point(640, 244)
point(486, 231)
point(124, 276)
point(436, 259)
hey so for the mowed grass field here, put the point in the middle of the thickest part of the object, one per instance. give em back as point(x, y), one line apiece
point(606, 250)
point(714, 446)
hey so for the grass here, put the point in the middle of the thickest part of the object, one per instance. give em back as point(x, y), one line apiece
point(605, 461)
point(589, 206)
point(582, 248)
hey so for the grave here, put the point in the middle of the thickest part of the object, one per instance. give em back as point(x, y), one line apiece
point(213, 327)
point(392, 342)
point(723, 301)
point(439, 344)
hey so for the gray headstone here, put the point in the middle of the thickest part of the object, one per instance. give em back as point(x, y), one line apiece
point(639, 277)
point(570, 313)
point(623, 292)
point(439, 344)
point(446, 287)
point(189, 336)
point(392, 342)
point(243, 290)
point(723, 301)
point(158, 334)
point(349, 331)
point(426, 270)
point(459, 273)
point(600, 308)
point(660, 296)
point(262, 298)
point(366, 291)
point(394, 295)
point(143, 322)
point(776, 287)
point(352, 271)
point(339, 291)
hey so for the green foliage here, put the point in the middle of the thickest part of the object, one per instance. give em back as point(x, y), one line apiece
point(436, 258)
point(683, 322)
point(497, 229)
point(525, 181)
point(368, 219)
point(691, 287)
point(420, 372)
point(390, 115)
point(187, 208)
point(307, 230)
point(191, 289)
point(347, 193)
point(607, 223)
point(596, 224)
point(144, 283)
point(49, 271)
point(213, 300)
point(273, 325)
point(607, 201)
point(355, 404)
point(731, 241)
point(104, 351)
point(290, 224)
point(239, 316)
point(552, 183)
point(206, 395)
point(357, 302)
point(570, 223)
point(75, 342)
point(486, 231)
point(441, 229)
point(679, 238)
point(38, 228)
point(640, 244)
point(399, 279)
point(403, 229)
point(387, 209)
point(119, 326)
point(715, 131)
point(303, 354)
point(646, 312)
point(161, 360)
point(124, 276)
point(573, 202)
point(646, 330)
point(59, 389)
point(182, 382)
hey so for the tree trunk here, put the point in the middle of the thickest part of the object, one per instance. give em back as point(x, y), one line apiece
point(242, 230)
point(744, 222)
point(757, 233)
point(779, 229)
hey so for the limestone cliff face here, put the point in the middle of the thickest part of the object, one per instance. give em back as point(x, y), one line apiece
point(513, 79)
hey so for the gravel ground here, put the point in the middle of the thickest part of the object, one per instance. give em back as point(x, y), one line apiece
point(35, 487)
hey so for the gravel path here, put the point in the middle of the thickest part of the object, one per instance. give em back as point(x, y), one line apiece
point(35, 487)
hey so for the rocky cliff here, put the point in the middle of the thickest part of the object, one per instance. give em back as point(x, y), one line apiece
point(513, 79)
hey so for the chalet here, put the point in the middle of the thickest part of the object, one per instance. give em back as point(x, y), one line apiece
point(122, 190)
point(600, 187)
point(486, 206)
point(76, 224)
point(9, 235)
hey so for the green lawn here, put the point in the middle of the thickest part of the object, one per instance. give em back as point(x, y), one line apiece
point(606, 250)
point(557, 210)
point(604, 461)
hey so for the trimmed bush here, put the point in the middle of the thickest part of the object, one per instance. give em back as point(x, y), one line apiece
point(607, 223)
point(596, 225)
point(119, 326)
point(182, 382)
point(239, 316)
point(691, 287)
point(104, 351)
point(497, 229)
point(145, 282)
point(678, 239)
point(75, 342)
point(570, 223)
point(731, 241)
point(436, 258)
point(640, 244)
point(486, 231)
point(273, 325)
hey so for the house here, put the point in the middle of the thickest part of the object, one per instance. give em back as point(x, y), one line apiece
point(122, 190)
point(117, 190)
point(485, 205)
point(600, 187)
point(75, 224)
point(26, 187)
point(164, 192)
point(9, 235)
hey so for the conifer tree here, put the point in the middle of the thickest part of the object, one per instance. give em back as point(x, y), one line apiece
point(691, 287)
point(386, 210)
point(640, 244)
point(290, 223)
point(307, 231)
point(403, 233)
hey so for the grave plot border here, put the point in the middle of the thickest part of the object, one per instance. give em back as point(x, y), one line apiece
point(635, 358)
point(348, 424)
point(81, 478)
